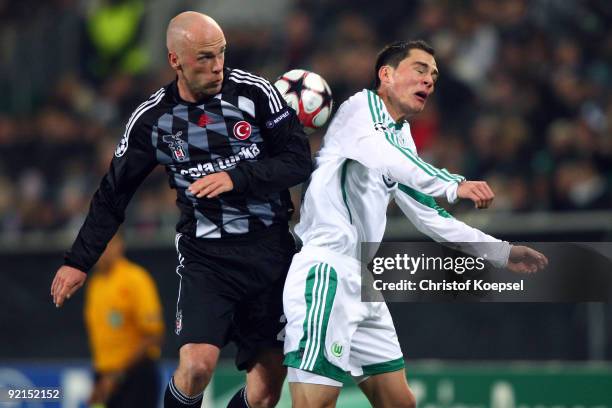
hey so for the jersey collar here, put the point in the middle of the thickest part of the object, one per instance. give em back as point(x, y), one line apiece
point(382, 109)
point(177, 97)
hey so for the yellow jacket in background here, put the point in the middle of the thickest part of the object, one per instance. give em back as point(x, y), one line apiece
point(121, 307)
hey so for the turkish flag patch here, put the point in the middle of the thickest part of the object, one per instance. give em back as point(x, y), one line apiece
point(242, 130)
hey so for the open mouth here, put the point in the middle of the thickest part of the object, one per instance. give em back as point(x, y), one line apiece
point(422, 96)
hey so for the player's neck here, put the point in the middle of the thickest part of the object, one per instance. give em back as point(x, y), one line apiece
point(396, 114)
point(184, 92)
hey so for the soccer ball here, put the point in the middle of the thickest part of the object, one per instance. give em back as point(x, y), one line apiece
point(309, 95)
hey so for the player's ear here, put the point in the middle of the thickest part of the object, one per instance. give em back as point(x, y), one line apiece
point(173, 60)
point(384, 74)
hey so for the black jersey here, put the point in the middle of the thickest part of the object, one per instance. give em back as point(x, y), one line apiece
point(246, 130)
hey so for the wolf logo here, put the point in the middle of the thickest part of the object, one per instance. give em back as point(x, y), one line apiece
point(336, 349)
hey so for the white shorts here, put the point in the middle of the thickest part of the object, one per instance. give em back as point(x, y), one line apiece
point(330, 331)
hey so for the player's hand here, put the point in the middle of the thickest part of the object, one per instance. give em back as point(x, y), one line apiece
point(212, 185)
point(523, 259)
point(477, 191)
point(67, 281)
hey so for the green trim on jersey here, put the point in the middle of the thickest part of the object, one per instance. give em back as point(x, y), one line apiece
point(385, 367)
point(343, 187)
point(424, 199)
point(379, 116)
point(322, 366)
point(319, 294)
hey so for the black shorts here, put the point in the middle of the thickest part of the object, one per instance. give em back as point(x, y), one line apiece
point(232, 290)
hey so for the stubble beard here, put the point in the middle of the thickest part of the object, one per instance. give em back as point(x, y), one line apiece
point(197, 90)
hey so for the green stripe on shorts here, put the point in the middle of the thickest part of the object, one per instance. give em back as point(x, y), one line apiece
point(321, 293)
point(321, 284)
point(384, 367)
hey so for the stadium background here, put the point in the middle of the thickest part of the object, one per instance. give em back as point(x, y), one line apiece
point(523, 101)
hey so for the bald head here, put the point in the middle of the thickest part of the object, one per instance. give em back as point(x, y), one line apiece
point(193, 29)
point(196, 52)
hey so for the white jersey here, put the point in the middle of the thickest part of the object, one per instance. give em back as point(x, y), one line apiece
point(367, 160)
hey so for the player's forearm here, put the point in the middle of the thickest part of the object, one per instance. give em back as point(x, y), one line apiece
point(285, 169)
point(99, 227)
point(107, 209)
point(269, 176)
point(466, 239)
point(436, 223)
point(428, 183)
point(400, 164)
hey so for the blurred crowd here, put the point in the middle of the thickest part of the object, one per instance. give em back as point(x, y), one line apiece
point(523, 99)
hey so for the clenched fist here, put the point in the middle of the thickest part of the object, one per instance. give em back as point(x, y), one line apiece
point(477, 191)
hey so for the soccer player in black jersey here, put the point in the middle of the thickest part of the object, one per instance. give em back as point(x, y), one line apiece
point(231, 148)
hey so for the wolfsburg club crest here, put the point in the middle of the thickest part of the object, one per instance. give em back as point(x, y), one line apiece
point(336, 349)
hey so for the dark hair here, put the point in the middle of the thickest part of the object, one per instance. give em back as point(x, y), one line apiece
point(394, 53)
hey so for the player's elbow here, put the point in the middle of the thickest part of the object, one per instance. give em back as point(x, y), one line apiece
point(304, 159)
point(306, 168)
point(301, 168)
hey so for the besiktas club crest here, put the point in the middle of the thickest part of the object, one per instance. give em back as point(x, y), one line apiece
point(177, 146)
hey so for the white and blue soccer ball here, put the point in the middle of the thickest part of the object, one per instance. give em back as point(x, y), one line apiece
point(309, 95)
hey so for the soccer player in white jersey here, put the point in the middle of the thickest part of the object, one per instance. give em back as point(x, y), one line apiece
point(368, 158)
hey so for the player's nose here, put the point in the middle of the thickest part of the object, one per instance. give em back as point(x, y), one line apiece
point(218, 65)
